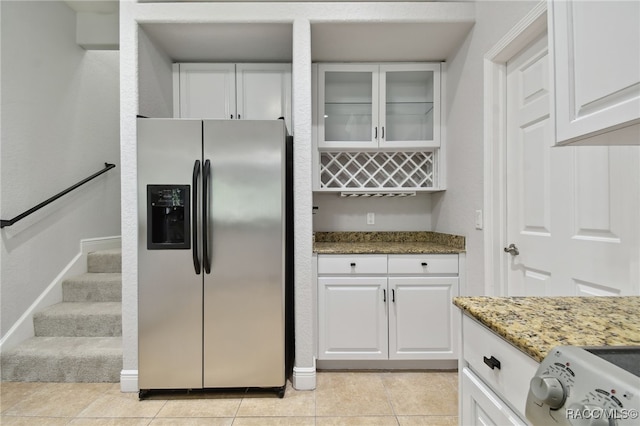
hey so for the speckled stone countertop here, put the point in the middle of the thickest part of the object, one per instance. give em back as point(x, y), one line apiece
point(536, 324)
point(420, 242)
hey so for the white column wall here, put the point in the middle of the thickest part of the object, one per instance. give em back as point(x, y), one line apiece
point(304, 368)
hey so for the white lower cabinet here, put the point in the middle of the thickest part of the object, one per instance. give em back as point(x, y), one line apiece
point(354, 320)
point(421, 318)
point(494, 378)
point(369, 310)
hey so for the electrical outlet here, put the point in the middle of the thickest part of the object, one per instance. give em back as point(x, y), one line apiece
point(371, 218)
point(478, 219)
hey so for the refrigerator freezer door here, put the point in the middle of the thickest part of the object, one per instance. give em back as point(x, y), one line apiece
point(244, 308)
point(169, 290)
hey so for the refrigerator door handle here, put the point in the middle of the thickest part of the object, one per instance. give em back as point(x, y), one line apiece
point(206, 173)
point(194, 216)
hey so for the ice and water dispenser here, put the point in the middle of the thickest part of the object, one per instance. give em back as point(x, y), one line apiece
point(168, 216)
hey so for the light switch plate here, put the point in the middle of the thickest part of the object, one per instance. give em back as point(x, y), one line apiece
point(371, 218)
point(478, 219)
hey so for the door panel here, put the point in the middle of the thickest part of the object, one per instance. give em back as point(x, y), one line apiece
point(534, 188)
point(264, 91)
point(244, 293)
point(421, 317)
point(353, 318)
point(169, 291)
point(571, 211)
point(207, 91)
point(528, 172)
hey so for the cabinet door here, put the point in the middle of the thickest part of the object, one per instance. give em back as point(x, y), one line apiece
point(422, 323)
point(352, 318)
point(597, 66)
point(205, 91)
point(264, 92)
point(348, 106)
point(480, 406)
point(409, 106)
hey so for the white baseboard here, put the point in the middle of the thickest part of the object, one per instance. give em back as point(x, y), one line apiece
point(304, 378)
point(388, 364)
point(23, 328)
point(129, 381)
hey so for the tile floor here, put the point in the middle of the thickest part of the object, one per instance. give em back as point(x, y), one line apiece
point(341, 398)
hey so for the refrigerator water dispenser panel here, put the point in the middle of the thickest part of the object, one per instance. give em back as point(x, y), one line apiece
point(168, 216)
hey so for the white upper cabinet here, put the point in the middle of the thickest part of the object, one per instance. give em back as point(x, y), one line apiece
point(596, 54)
point(204, 91)
point(369, 106)
point(410, 106)
point(264, 91)
point(233, 91)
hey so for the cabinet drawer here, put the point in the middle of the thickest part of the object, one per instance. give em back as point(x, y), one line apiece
point(345, 264)
point(423, 264)
point(511, 380)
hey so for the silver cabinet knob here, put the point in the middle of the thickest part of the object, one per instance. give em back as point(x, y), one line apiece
point(512, 250)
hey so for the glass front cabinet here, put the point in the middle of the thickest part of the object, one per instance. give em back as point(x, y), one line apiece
point(375, 106)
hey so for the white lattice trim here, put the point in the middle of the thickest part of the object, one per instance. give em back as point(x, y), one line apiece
point(377, 170)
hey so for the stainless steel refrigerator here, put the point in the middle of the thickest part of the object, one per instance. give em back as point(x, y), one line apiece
point(214, 254)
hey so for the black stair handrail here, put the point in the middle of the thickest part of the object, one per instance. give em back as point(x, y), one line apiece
point(3, 222)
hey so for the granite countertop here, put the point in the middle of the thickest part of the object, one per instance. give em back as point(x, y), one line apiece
point(536, 324)
point(420, 242)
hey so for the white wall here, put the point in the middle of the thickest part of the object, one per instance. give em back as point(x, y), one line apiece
point(335, 213)
point(454, 210)
point(155, 79)
point(59, 112)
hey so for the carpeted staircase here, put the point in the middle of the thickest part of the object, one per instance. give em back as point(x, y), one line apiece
point(80, 339)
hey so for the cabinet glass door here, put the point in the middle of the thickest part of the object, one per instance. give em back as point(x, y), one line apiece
point(349, 106)
point(410, 105)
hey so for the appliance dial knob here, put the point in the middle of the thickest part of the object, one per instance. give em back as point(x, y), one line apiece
point(589, 415)
point(548, 390)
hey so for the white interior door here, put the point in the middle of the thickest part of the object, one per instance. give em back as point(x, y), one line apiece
point(572, 212)
point(530, 267)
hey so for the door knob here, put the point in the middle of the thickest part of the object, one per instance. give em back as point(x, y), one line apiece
point(512, 250)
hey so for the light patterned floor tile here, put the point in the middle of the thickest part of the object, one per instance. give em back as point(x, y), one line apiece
point(341, 399)
point(114, 421)
point(294, 403)
point(274, 421)
point(357, 421)
point(422, 393)
point(208, 407)
point(31, 421)
point(351, 394)
point(428, 420)
point(58, 399)
point(115, 403)
point(13, 392)
point(202, 421)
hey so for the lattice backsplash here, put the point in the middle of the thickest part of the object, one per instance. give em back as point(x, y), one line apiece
point(376, 170)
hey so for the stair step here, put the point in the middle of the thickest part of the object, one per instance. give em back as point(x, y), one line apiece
point(93, 287)
point(84, 319)
point(64, 359)
point(105, 261)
